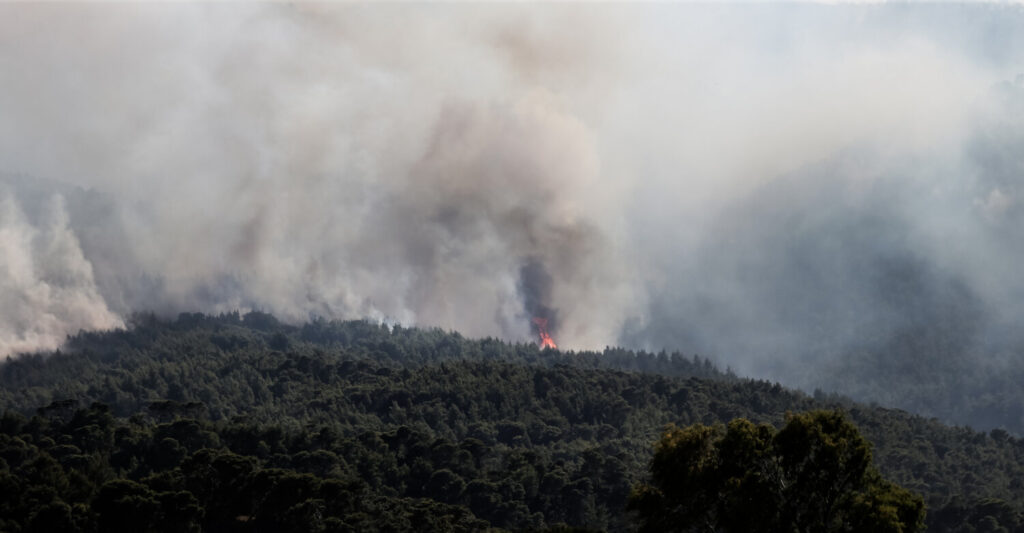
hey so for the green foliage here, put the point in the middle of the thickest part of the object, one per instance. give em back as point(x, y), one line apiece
point(814, 474)
point(234, 422)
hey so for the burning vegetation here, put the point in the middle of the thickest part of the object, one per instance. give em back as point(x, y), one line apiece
point(535, 286)
point(542, 331)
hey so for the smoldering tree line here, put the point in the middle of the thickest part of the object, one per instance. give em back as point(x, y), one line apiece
point(834, 213)
point(459, 244)
point(825, 278)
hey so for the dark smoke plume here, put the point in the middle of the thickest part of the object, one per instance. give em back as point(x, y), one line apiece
point(535, 285)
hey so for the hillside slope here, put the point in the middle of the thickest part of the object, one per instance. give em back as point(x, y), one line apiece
point(389, 426)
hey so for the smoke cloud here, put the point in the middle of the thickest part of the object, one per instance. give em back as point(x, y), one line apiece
point(795, 191)
point(46, 284)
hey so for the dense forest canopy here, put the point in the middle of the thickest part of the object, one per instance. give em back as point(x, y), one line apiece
point(244, 422)
point(814, 474)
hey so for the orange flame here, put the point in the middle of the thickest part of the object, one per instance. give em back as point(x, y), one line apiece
point(542, 329)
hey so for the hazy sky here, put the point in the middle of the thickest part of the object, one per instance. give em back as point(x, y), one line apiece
point(754, 182)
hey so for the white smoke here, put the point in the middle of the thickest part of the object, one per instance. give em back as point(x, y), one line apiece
point(47, 288)
point(315, 160)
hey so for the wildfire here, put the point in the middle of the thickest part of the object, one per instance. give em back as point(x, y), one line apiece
point(542, 329)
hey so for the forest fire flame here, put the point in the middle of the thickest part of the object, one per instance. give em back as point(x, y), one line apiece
point(542, 329)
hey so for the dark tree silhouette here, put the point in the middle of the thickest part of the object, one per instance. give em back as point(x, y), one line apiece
point(814, 475)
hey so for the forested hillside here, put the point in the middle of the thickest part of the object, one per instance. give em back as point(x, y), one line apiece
point(242, 423)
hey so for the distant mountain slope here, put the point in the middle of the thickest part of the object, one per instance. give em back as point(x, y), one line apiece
point(503, 433)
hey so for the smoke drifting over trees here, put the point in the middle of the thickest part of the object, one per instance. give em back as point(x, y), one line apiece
point(800, 192)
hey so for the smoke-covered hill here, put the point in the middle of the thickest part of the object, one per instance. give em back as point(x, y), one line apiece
point(827, 196)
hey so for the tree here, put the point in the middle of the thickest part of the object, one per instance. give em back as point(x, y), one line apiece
point(124, 505)
point(814, 475)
